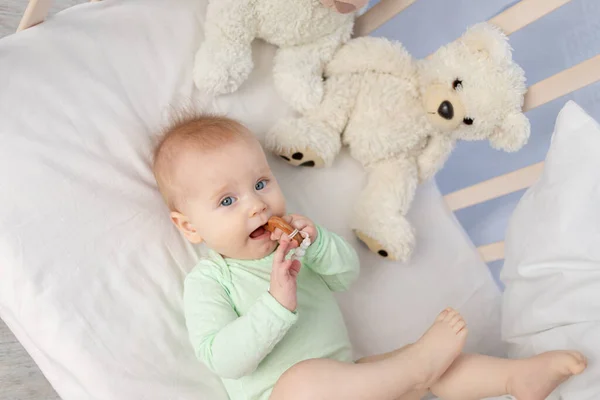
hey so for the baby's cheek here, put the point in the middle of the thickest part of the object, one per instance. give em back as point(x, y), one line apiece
point(278, 203)
point(229, 231)
point(218, 230)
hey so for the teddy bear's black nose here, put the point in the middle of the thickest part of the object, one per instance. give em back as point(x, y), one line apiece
point(446, 110)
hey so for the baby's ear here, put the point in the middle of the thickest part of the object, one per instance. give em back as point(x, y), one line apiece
point(185, 227)
point(512, 134)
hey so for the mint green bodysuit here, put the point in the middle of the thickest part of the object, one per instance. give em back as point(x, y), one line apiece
point(240, 332)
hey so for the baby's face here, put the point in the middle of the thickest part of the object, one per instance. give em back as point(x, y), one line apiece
point(230, 193)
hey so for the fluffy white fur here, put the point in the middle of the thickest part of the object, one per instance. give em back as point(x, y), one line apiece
point(387, 105)
point(307, 33)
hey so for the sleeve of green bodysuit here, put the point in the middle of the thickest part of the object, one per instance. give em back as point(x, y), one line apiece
point(231, 346)
point(334, 259)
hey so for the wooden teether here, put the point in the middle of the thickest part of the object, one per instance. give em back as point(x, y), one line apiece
point(278, 222)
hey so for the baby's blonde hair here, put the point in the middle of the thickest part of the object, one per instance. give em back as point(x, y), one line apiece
point(203, 132)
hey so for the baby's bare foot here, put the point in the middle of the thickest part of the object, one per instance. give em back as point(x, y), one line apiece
point(435, 351)
point(538, 376)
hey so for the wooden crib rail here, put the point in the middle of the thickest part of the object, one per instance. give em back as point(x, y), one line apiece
point(510, 20)
point(36, 12)
point(564, 82)
point(494, 188)
point(492, 252)
point(524, 13)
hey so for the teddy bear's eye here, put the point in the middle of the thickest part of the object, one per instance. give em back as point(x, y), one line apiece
point(456, 84)
point(468, 121)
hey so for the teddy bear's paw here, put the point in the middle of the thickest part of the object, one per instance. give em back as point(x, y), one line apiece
point(304, 142)
point(302, 158)
point(374, 245)
point(397, 245)
point(221, 73)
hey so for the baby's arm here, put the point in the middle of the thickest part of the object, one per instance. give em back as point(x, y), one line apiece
point(231, 346)
point(334, 259)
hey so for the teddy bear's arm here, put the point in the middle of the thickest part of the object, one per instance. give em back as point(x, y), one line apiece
point(433, 156)
point(224, 60)
point(298, 70)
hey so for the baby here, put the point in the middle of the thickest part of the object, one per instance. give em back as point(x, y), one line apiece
point(269, 324)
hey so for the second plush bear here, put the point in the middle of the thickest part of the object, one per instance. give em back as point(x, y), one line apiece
point(307, 32)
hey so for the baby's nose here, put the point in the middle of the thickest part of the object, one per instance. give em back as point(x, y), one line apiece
point(258, 208)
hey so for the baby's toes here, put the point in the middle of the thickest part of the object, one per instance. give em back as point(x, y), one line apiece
point(455, 320)
point(459, 325)
point(442, 316)
point(452, 313)
point(579, 364)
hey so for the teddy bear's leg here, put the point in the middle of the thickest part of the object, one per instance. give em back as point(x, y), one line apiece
point(224, 59)
point(314, 140)
point(380, 213)
point(298, 70)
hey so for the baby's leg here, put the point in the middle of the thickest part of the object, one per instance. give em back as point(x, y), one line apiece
point(473, 376)
point(416, 367)
point(415, 394)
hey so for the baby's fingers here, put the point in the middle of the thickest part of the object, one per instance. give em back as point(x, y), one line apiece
point(282, 250)
point(276, 234)
point(295, 266)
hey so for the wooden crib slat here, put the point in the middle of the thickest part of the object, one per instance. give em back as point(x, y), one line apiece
point(378, 15)
point(494, 188)
point(36, 12)
point(510, 20)
point(564, 82)
point(492, 252)
point(524, 13)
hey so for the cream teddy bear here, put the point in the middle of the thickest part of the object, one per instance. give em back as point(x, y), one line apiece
point(401, 117)
point(307, 32)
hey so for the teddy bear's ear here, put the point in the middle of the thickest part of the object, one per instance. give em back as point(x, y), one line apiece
point(484, 37)
point(512, 134)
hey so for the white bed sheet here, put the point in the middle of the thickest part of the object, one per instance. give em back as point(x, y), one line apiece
point(553, 256)
point(91, 269)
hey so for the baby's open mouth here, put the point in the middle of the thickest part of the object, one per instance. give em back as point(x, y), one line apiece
point(258, 233)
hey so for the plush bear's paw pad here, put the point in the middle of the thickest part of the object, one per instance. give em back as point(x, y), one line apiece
point(375, 246)
point(302, 158)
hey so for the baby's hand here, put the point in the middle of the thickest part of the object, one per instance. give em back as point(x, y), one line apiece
point(299, 222)
point(284, 274)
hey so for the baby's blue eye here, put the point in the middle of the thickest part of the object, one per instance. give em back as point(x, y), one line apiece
point(227, 201)
point(260, 185)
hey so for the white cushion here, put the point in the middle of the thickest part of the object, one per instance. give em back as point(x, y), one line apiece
point(91, 267)
point(552, 268)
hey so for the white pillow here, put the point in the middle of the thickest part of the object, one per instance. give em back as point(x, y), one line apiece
point(552, 268)
point(91, 267)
